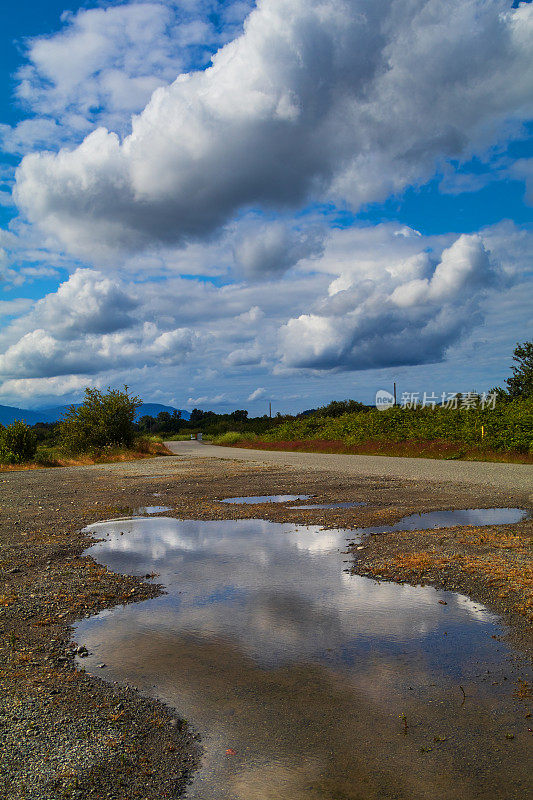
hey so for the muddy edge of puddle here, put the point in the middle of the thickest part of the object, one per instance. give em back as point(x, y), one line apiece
point(47, 586)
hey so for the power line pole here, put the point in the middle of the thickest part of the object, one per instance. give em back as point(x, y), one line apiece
point(394, 392)
point(270, 410)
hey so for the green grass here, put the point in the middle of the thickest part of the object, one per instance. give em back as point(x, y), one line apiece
point(233, 437)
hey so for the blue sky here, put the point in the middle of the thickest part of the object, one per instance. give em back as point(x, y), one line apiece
point(333, 202)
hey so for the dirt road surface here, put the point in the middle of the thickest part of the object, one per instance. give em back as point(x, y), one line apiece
point(512, 477)
point(68, 735)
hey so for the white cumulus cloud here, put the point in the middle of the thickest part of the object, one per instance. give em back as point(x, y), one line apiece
point(316, 98)
point(395, 318)
point(268, 250)
point(104, 64)
point(257, 394)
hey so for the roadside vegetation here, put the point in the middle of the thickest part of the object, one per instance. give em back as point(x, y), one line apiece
point(507, 428)
point(100, 430)
point(472, 427)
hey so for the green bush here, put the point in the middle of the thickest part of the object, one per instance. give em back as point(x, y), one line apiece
point(100, 422)
point(520, 384)
point(18, 443)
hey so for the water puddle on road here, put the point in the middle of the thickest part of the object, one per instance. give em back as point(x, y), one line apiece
point(267, 498)
point(449, 519)
point(151, 510)
point(319, 683)
point(327, 505)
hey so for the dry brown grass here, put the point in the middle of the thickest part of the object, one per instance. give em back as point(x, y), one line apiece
point(143, 449)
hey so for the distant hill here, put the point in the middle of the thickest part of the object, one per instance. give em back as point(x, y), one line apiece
point(9, 414)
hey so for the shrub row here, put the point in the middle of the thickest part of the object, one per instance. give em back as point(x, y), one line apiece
point(507, 427)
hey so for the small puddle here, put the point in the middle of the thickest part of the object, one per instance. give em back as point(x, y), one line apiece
point(151, 509)
point(268, 498)
point(329, 505)
point(449, 519)
point(319, 683)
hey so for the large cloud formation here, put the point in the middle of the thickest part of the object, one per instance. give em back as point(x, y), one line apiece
point(378, 296)
point(408, 314)
point(316, 97)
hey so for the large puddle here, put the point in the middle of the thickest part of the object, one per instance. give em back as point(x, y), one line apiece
point(321, 685)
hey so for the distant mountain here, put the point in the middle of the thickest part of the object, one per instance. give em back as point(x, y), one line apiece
point(55, 412)
point(9, 414)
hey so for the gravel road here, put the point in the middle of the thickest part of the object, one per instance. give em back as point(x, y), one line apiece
point(508, 477)
point(50, 711)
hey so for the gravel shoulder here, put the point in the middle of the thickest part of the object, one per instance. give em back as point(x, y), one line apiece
point(68, 735)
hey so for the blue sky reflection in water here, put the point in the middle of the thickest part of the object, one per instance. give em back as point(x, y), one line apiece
point(151, 510)
point(450, 518)
point(267, 498)
point(268, 646)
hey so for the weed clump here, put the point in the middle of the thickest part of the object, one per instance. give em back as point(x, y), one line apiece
point(18, 443)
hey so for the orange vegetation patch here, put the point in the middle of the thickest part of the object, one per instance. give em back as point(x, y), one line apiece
point(508, 576)
point(431, 449)
point(19, 467)
point(7, 600)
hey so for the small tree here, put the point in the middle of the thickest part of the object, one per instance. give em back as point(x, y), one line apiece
point(241, 415)
point(196, 415)
point(147, 423)
point(339, 407)
point(164, 420)
point(102, 420)
point(18, 443)
point(520, 384)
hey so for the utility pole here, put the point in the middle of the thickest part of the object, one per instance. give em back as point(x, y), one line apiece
point(394, 392)
point(270, 410)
